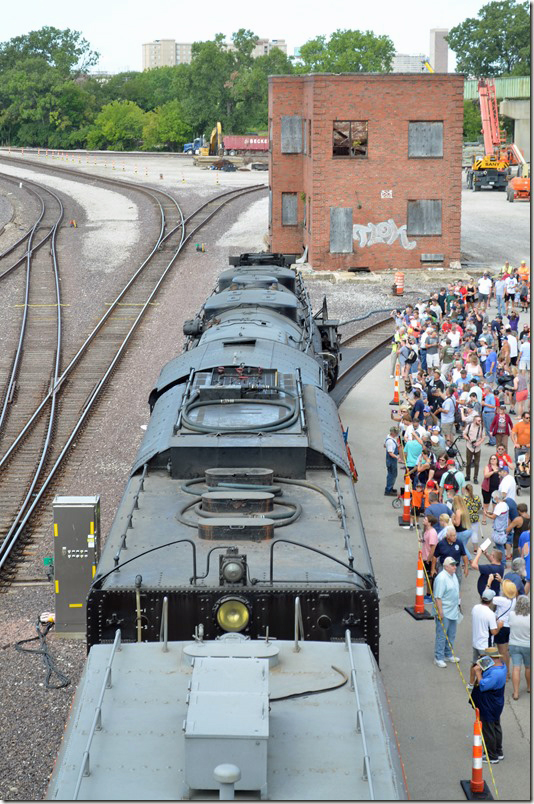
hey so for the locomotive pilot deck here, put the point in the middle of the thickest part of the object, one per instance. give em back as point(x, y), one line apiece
point(164, 727)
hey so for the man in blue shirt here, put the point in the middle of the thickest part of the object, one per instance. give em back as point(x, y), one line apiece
point(524, 547)
point(488, 698)
point(450, 547)
point(435, 508)
point(496, 567)
point(418, 410)
point(489, 407)
point(490, 366)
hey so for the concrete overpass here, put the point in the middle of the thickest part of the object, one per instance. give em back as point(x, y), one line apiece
point(514, 96)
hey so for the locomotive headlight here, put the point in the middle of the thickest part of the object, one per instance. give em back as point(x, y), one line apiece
point(233, 571)
point(232, 613)
point(232, 567)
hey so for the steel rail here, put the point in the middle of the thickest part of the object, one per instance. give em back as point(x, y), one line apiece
point(53, 406)
point(9, 543)
point(16, 362)
point(26, 234)
point(90, 338)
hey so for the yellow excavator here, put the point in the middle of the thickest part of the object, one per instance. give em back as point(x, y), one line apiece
point(215, 146)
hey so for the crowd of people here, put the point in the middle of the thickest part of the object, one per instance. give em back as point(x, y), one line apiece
point(464, 375)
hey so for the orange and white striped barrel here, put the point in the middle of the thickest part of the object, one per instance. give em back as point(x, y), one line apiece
point(399, 282)
point(406, 497)
point(419, 607)
point(396, 392)
point(477, 781)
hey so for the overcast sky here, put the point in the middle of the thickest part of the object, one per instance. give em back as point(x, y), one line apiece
point(118, 28)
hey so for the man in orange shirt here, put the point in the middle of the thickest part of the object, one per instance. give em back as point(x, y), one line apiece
point(523, 271)
point(521, 435)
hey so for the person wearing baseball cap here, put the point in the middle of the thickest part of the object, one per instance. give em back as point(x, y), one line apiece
point(488, 697)
point(452, 476)
point(447, 605)
point(484, 625)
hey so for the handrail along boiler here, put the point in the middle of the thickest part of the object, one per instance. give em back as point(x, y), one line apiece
point(241, 498)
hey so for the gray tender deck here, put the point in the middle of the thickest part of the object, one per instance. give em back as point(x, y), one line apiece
point(314, 750)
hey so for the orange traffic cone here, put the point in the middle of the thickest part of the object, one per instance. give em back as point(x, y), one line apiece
point(396, 392)
point(476, 789)
point(418, 612)
point(404, 520)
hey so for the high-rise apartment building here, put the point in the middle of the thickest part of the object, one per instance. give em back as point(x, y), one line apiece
point(439, 50)
point(159, 53)
point(168, 52)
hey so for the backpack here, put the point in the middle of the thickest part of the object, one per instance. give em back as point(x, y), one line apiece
point(450, 480)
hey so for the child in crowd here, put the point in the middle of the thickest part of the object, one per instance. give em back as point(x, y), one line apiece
point(417, 502)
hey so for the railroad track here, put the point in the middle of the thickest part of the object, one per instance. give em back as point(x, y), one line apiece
point(32, 460)
point(360, 352)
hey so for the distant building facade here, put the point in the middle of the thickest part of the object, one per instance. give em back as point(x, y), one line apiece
point(408, 63)
point(366, 169)
point(169, 53)
point(439, 50)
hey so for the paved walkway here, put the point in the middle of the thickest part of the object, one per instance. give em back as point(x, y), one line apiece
point(429, 705)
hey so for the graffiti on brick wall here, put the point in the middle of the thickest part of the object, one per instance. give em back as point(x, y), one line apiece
point(385, 232)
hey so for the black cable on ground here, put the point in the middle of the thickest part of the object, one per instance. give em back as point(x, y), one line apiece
point(42, 630)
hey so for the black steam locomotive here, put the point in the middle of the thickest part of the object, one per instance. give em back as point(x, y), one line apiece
point(240, 514)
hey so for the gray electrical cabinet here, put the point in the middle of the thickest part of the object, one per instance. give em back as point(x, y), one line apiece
point(76, 554)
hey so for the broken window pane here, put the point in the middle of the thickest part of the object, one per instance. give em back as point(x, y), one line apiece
point(350, 138)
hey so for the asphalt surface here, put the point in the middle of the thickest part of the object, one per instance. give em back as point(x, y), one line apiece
point(493, 230)
point(430, 706)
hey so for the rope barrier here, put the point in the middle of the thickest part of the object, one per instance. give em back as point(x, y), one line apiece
point(417, 615)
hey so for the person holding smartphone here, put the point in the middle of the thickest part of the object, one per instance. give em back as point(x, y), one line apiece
point(488, 697)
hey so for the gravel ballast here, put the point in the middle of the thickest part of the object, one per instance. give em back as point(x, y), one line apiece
point(98, 261)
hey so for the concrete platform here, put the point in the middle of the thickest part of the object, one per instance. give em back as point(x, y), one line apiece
point(430, 710)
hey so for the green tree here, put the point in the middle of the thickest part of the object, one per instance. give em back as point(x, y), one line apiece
point(472, 121)
point(347, 52)
point(151, 88)
point(244, 42)
point(209, 99)
point(495, 43)
point(66, 50)
point(118, 126)
point(250, 91)
point(166, 128)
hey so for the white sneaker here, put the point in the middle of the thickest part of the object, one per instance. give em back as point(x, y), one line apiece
point(439, 663)
point(391, 376)
point(452, 659)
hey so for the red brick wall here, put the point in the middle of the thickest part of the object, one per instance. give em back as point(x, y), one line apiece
point(389, 102)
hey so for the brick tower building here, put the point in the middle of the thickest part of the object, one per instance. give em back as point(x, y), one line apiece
point(366, 169)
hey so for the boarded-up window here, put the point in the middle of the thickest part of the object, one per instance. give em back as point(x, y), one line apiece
point(341, 230)
point(425, 139)
point(309, 137)
point(291, 134)
point(424, 218)
point(304, 136)
point(289, 209)
point(349, 138)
